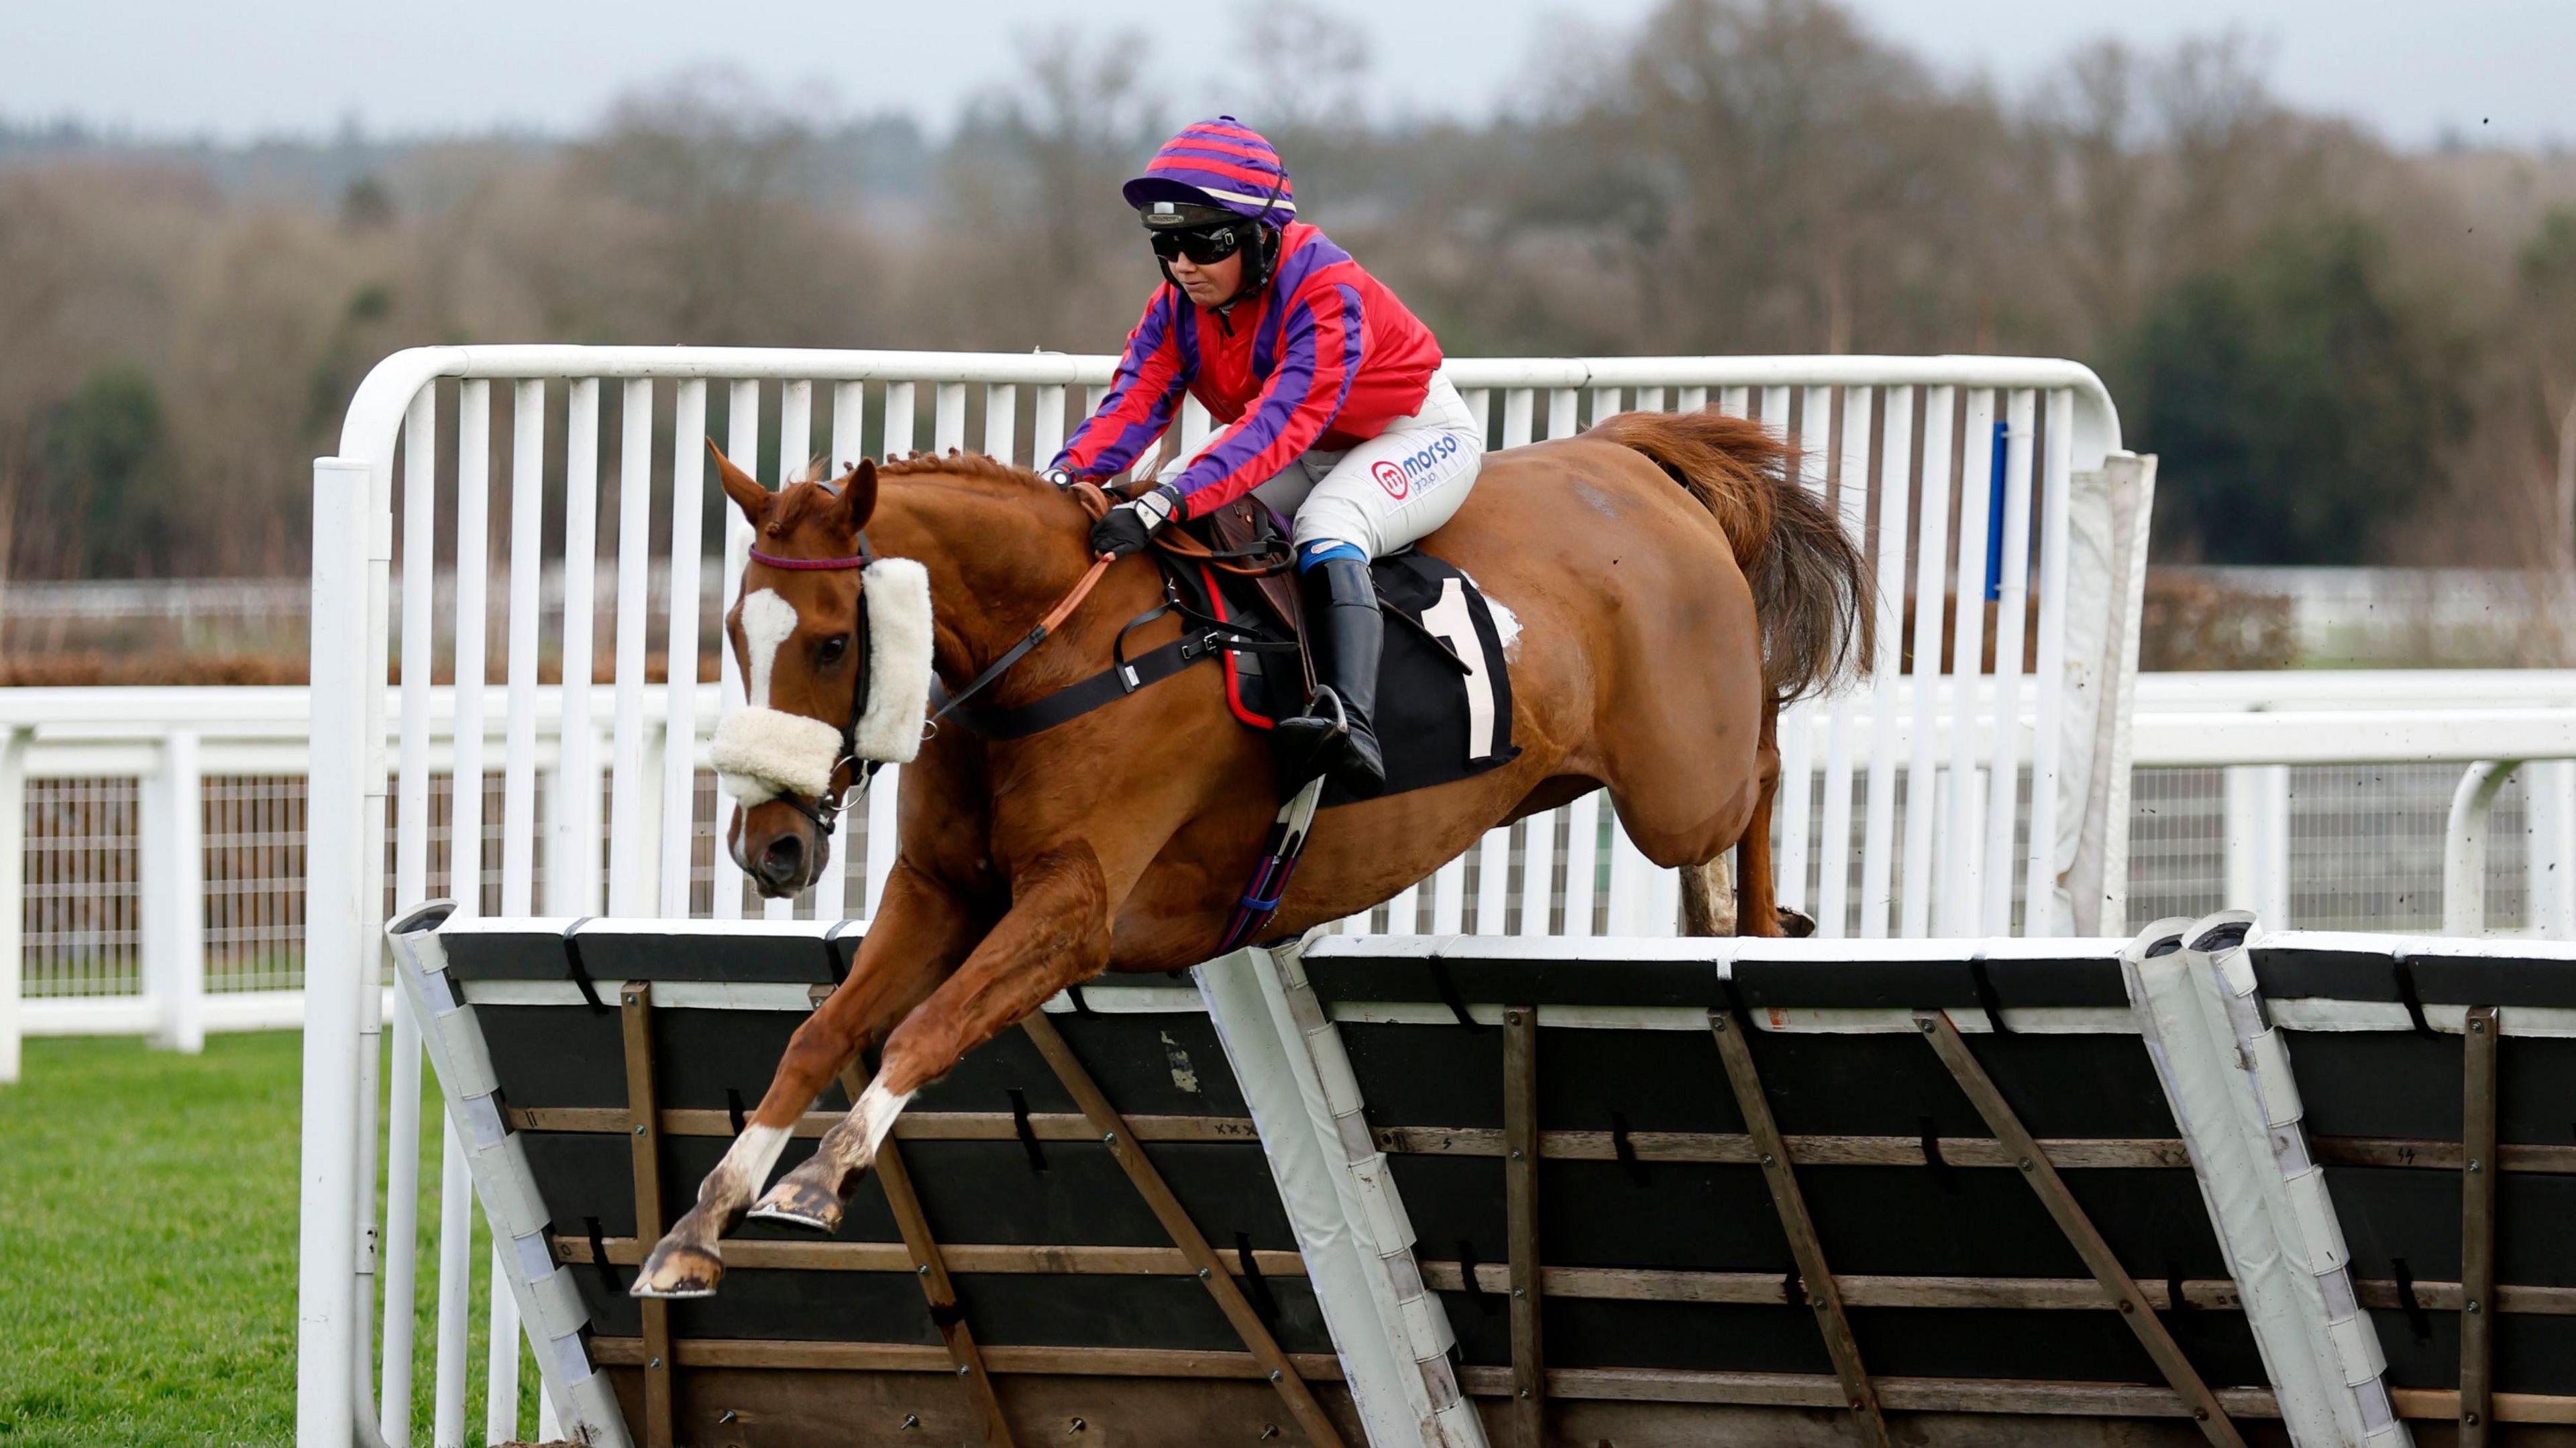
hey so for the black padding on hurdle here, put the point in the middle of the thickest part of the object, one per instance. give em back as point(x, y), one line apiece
point(1159, 1063)
point(2392, 1212)
point(1899, 1219)
point(2077, 1345)
point(2062, 981)
point(1896, 1220)
point(2399, 1085)
point(1515, 981)
point(2393, 1084)
point(2533, 1354)
point(486, 953)
point(770, 1303)
point(610, 950)
point(2493, 980)
point(2067, 1345)
point(983, 1191)
point(1857, 984)
point(1862, 1085)
point(2302, 973)
point(2438, 977)
point(566, 1056)
point(1141, 980)
point(1174, 1313)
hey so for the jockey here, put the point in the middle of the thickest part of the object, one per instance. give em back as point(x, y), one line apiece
point(1336, 413)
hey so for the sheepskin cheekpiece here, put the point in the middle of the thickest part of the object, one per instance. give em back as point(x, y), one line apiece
point(897, 594)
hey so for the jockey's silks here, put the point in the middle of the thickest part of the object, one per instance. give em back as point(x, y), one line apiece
point(1323, 357)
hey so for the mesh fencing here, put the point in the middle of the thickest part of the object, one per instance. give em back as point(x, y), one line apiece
point(2365, 853)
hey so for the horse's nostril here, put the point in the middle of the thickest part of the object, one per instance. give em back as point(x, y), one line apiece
point(784, 857)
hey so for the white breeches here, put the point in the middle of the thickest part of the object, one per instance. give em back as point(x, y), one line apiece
point(1389, 491)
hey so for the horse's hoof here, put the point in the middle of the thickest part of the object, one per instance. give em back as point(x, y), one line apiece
point(1795, 925)
point(799, 1201)
point(678, 1270)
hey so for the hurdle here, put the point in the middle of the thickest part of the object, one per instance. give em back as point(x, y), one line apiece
point(1492, 1190)
point(557, 462)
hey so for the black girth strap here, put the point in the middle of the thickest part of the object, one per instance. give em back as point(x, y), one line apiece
point(1075, 700)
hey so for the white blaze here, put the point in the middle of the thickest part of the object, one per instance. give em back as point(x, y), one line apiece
point(767, 620)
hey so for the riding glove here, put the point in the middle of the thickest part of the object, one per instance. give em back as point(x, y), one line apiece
point(1126, 528)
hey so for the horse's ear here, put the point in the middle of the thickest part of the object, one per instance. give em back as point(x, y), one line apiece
point(742, 487)
point(859, 494)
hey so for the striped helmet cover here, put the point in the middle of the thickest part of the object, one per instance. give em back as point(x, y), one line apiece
point(1220, 162)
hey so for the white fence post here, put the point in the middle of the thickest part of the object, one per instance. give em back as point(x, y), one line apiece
point(170, 821)
point(2258, 841)
point(2549, 799)
point(335, 915)
point(13, 895)
point(2464, 846)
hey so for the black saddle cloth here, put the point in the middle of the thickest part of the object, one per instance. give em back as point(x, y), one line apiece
point(1444, 693)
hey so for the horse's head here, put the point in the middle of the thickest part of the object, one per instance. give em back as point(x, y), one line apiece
point(834, 647)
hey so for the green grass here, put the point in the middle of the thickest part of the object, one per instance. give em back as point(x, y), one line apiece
point(147, 1248)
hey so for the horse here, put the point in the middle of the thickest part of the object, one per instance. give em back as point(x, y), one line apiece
point(1664, 583)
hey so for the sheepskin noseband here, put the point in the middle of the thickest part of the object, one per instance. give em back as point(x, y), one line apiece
point(761, 753)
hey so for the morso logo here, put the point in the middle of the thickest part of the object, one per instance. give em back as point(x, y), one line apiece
point(1398, 478)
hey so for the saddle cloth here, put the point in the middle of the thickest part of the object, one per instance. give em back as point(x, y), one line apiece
point(1444, 693)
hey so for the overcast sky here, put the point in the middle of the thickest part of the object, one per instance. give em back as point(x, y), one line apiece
point(2412, 69)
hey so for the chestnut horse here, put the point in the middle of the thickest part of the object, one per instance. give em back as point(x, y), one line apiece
point(1662, 583)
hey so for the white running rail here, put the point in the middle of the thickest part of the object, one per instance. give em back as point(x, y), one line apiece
point(2047, 487)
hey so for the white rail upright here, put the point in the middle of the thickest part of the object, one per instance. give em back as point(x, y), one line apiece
point(1934, 840)
point(13, 897)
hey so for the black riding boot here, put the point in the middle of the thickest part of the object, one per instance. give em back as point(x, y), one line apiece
point(1337, 735)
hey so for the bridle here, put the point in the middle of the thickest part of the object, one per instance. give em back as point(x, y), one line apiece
point(827, 807)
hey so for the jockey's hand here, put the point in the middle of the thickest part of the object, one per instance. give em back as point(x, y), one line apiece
point(1059, 477)
point(1127, 527)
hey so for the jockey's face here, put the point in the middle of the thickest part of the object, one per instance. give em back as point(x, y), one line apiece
point(1210, 283)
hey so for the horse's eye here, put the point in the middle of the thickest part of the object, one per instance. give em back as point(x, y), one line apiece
point(830, 651)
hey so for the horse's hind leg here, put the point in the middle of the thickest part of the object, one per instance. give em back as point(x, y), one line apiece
point(919, 932)
point(1708, 897)
point(1758, 890)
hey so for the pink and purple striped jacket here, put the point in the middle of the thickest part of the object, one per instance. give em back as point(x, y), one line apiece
point(1323, 357)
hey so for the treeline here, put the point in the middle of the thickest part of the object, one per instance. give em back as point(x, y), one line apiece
point(2343, 353)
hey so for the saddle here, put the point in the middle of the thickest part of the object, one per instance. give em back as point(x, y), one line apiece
point(1444, 690)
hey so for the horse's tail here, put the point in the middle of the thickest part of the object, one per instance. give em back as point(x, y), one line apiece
point(1811, 585)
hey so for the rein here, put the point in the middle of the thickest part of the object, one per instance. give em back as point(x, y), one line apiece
point(1095, 500)
point(1123, 676)
point(1261, 899)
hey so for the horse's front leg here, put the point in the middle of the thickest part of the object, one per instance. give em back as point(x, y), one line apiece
point(1057, 933)
point(920, 931)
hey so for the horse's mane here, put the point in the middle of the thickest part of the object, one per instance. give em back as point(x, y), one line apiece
point(956, 464)
point(812, 493)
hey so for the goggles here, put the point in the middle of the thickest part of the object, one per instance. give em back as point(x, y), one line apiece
point(1202, 245)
